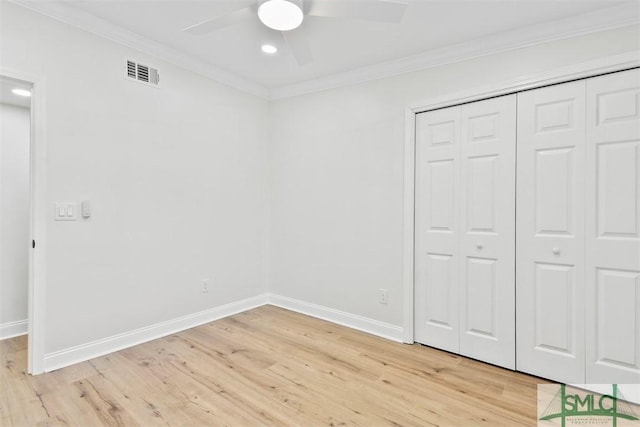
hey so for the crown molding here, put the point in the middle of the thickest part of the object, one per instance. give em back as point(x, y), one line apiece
point(610, 18)
point(623, 15)
point(100, 27)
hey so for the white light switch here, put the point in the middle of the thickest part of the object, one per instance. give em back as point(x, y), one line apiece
point(65, 212)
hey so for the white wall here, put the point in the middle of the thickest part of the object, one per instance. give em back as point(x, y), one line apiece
point(14, 215)
point(176, 177)
point(337, 174)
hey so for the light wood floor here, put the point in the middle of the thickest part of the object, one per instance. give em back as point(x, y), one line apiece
point(268, 366)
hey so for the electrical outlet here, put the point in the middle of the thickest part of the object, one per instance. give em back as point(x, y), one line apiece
point(205, 286)
point(383, 296)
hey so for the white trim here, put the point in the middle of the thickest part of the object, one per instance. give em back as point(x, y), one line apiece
point(38, 200)
point(407, 226)
point(83, 352)
point(100, 27)
point(353, 321)
point(39, 217)
point(559, 75)
point(579, 71)
point(601, 20)
point(91, 350)
point(13, 329)
point(610, 18)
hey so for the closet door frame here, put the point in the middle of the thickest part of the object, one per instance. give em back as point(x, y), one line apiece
point(585, 70)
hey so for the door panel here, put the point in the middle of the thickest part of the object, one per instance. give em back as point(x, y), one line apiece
point(550, 232)
point(616, 206)
point(553, 191)
point(554, 288)
point(436, 218)
point(481, 173)
point(613, 228)
point(487, 230)
point(617, 300)
point(439, 270)
point(441, 181)
point(481, 297)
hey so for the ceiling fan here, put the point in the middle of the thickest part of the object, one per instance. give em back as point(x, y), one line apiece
point(285, 16)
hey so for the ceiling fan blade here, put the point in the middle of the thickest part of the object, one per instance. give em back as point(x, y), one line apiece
point(226, 20)
point(299, 46)
point(390, 11)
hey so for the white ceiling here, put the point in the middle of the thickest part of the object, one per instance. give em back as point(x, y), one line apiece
point(429, 29)
point(8, 97)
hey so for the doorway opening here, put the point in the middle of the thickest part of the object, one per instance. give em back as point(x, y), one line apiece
point(21, 197)
point(15, 141)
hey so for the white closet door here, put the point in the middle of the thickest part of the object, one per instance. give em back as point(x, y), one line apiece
point(436, 225)
point(613, 228)
point(550, 232)
point(487, 231)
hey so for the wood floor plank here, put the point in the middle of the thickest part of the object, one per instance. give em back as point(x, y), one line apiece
point(270, 367)
point(17, 391)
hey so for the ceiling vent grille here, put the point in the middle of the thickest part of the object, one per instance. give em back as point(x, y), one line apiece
point(142, 73)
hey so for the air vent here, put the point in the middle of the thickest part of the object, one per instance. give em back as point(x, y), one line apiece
point(131, 69)
point(142, 73)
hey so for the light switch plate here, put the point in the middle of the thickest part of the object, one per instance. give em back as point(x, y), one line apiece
point(66, 211)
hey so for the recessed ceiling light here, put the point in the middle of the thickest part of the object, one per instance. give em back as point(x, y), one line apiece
point(21, 92)
point(281, 15)
point(269, 48)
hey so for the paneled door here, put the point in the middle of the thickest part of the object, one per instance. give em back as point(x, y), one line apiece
point(437, 228)
point(550, 232)
point(487, 230)
point(465, 231)
point(613, 228)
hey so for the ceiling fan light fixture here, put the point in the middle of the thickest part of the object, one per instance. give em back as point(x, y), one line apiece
point(281, 15)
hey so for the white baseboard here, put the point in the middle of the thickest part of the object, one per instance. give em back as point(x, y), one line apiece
point(81, 353)
point(13, 329)
point(364, 324)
